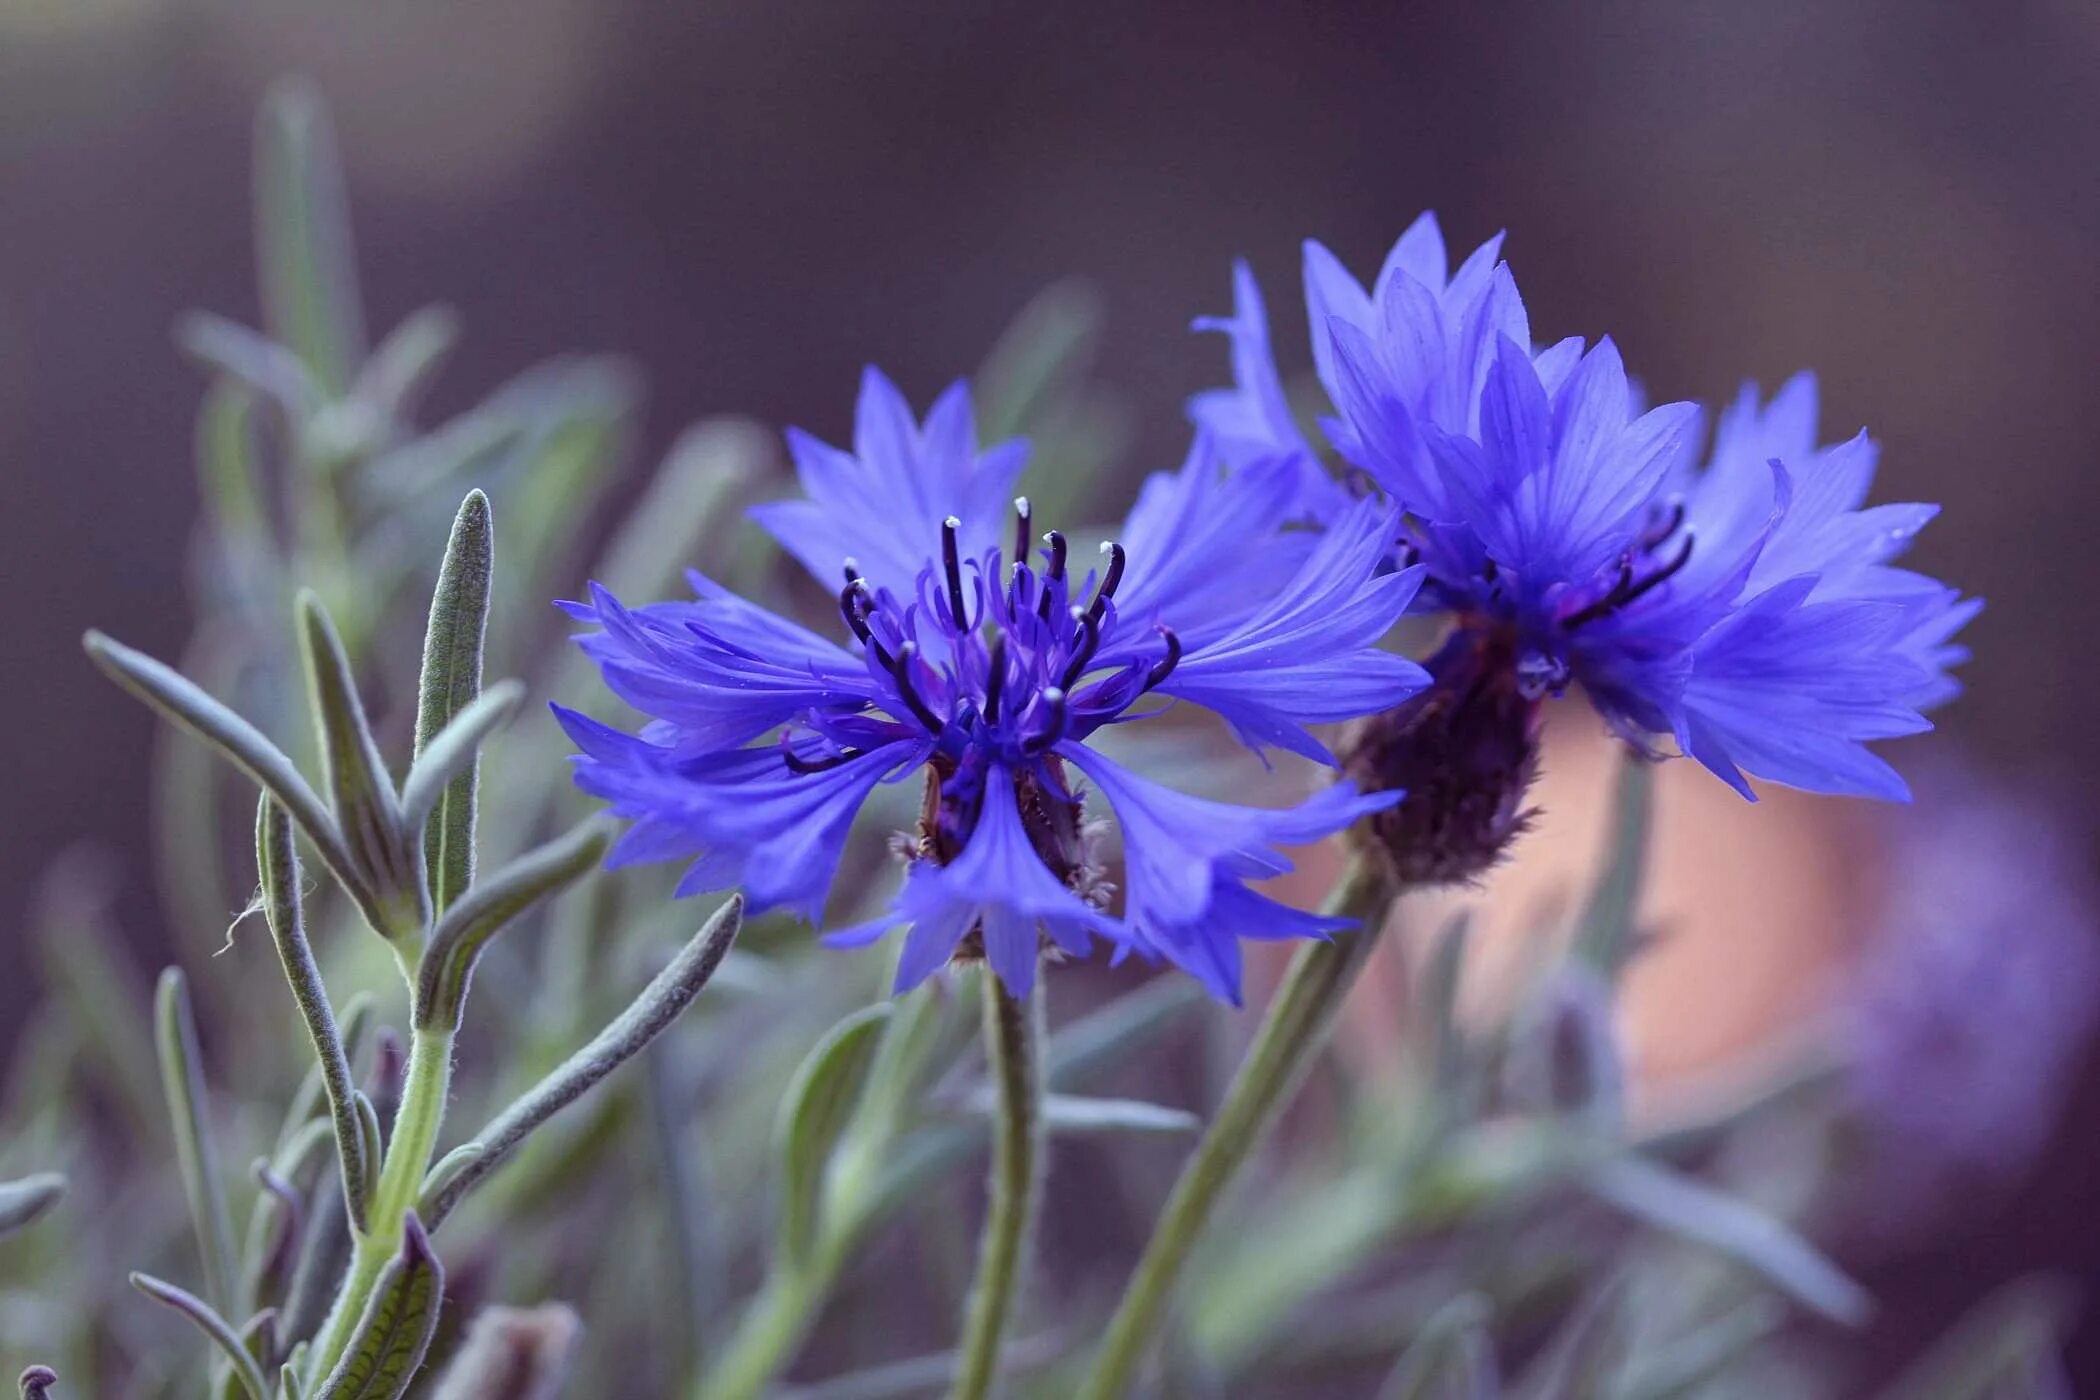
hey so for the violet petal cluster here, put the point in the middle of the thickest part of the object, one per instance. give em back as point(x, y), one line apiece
point(973, 652)
point(1745, 612)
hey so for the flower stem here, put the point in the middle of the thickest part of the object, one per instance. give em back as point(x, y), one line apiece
point(408, 1154)
point(1013, 1033)
point(1294, 1028)
point(773, 1326)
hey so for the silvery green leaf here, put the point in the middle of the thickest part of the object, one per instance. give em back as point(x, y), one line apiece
point(324, 1252)
point(250, 358)
point(667, 994)
point(291, 1383)
point(182, 1080)
point(387, 1347)
point(259, 1339)
point(1685, 1366)
point(277, 861)
point(274, 1228)
point(302, 237)
point(442, 782)
point(373, 1142)
point(213, 1326)
point(37, 1381)
point(403, 364)
point(1449, 1054)
point(489, 907)
point(447, 1169)
point(450, 758)
point(367, 812)
point(1452, 1358)
point(1681, 1206)
point(24, 1200)
point(1047, 346)
point(514, 1354)
point(813, 1112)
point(176, 697)
point(228, 473)
point(1076, 1113)
point(1605, 933)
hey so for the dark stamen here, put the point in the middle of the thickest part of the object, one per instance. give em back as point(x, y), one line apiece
point(1116, 560)
point(850, 599)
point(1054, 702)
point(1668, 528)
point(951, 560)
point(852, 570)
point(1164, 667)
point(1023, 515)
point(1625, 590)
point(900, 671)
point(1056, 542)
point(995, 680)
point(798, 764)
point(1089, 641)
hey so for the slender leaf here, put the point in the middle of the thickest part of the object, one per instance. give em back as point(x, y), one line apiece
point(1605, 934)
point(367, 812)
point(1681, 1206)
point(668, 994)
point(452, 646)
point(249, 358)
point(213, 1326)
point(182, 1080)
point(24, 1200)
point(302, 237)
point(456, 944)
point(176, 697)
point(387, 1347)
point(404, 363)
point(814, 1111)
point(451, 754)
point(277, 859)
point(1079, 1114)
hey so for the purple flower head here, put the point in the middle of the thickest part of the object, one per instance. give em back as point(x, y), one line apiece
point(1967, 1018)
point(985, 658)
point(1746, 613)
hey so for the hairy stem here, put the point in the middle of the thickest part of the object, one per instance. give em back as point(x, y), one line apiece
point(408, 1154)
point(1292, 1031)
point(1013, 1035)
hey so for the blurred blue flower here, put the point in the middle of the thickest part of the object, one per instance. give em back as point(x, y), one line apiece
point(1969, 1014)
point(990, 676)
point(1746, 612)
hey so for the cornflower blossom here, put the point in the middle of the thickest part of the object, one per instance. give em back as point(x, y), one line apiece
point(986, 660)
point(1746, 613)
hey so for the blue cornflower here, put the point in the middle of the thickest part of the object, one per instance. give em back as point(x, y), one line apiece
point(1746, 613)
point(989, 672)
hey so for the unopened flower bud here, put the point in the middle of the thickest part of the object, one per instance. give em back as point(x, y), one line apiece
point(1465, 751)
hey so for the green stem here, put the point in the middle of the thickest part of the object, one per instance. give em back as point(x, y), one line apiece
point(1293, 1030)
point(773, 1327)
point(408, 1154)
point(1013, 1034)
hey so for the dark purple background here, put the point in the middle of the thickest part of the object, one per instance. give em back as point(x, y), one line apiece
point(753, 200)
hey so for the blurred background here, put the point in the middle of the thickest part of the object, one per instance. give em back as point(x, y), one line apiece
point(749, 202)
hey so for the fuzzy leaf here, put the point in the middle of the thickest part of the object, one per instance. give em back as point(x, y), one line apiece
point(1693, 1211)
point(302, 237)
point(403, 364)
point(250, 358)
point(1605, 935)
point(181, 700)
point(23, 1201)
point(398, 1323)
point(367, 812)
point(667, 994)
point(814, 1111)
point(452, 646)
point(456, 944)
point(277, 861)
point(213, 1326)
point(182, 1081)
